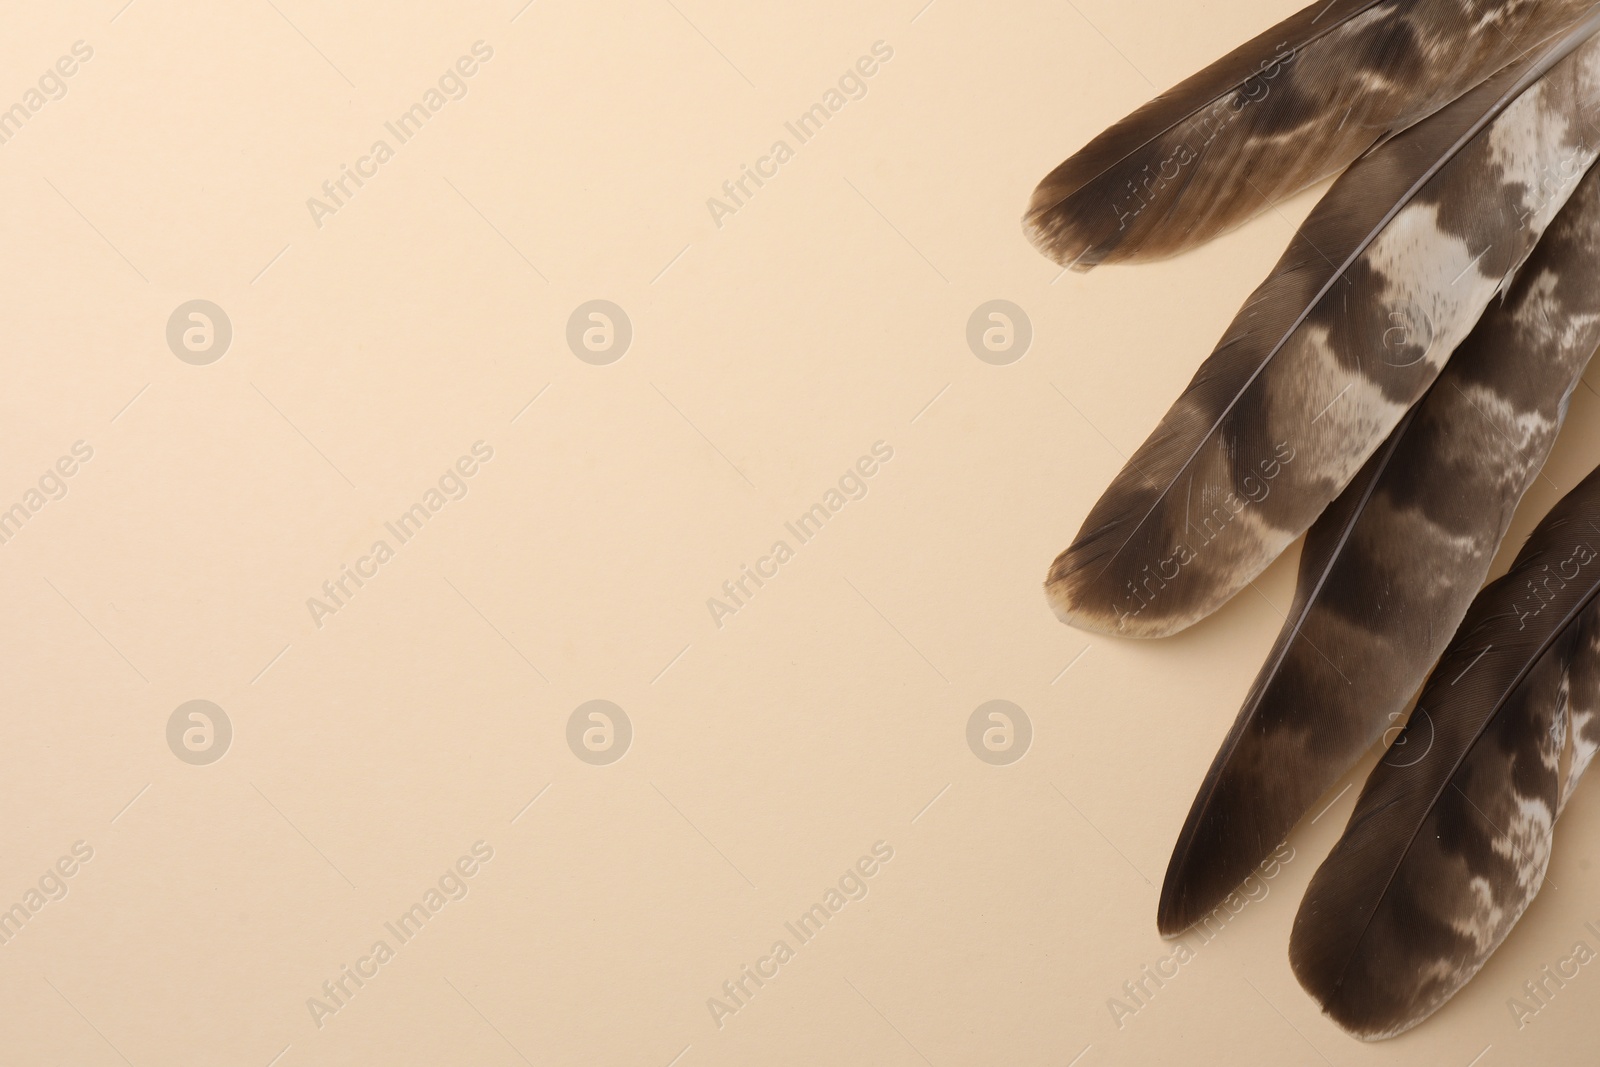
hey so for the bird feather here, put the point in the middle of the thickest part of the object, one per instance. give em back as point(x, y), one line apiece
point(1382, 282)
point(1451, 836)
point(1390, 568)
point(1294, 105)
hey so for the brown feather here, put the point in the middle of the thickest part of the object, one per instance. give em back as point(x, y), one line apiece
point(1386, 277)
point(1390, 568)
point(1294, 105)
point(1451, 837)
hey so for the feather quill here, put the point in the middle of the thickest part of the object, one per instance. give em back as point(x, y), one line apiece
point(1390, 568)
point(1294, 105)
point(1451, 836)
point(1382, 282)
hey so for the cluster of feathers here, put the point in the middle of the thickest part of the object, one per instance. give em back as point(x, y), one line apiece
point(1390, 391)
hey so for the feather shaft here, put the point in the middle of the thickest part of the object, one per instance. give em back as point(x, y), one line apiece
point(1390, 568)
point(1451, 836)
point(1292, 106)
point(1387, 276)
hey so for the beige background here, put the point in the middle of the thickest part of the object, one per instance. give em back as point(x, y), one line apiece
point(769, 354)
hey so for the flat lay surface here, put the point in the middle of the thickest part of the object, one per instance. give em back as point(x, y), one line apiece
point(522, 528)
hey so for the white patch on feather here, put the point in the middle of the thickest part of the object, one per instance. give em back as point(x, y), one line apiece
point(1426, 279)
point(1503, 16)
point(1511, 437)
point(1484, 922)
point(1545, 315)
point(1348, 407)
point(1582, 736)
point(1433, 276)
point(1525, 842)
point(1430, 276)
point(1583, 750)
point(1530, 145)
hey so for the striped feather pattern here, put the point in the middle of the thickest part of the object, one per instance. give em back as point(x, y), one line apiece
point(1390, 568)
point(1386, 277)
point(1294, 105)
point(1451, 836)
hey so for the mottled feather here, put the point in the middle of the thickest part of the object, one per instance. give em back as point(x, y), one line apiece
point(1294, 105)
point(1451, 836)
point(1390, 568)
point(1382, 282)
